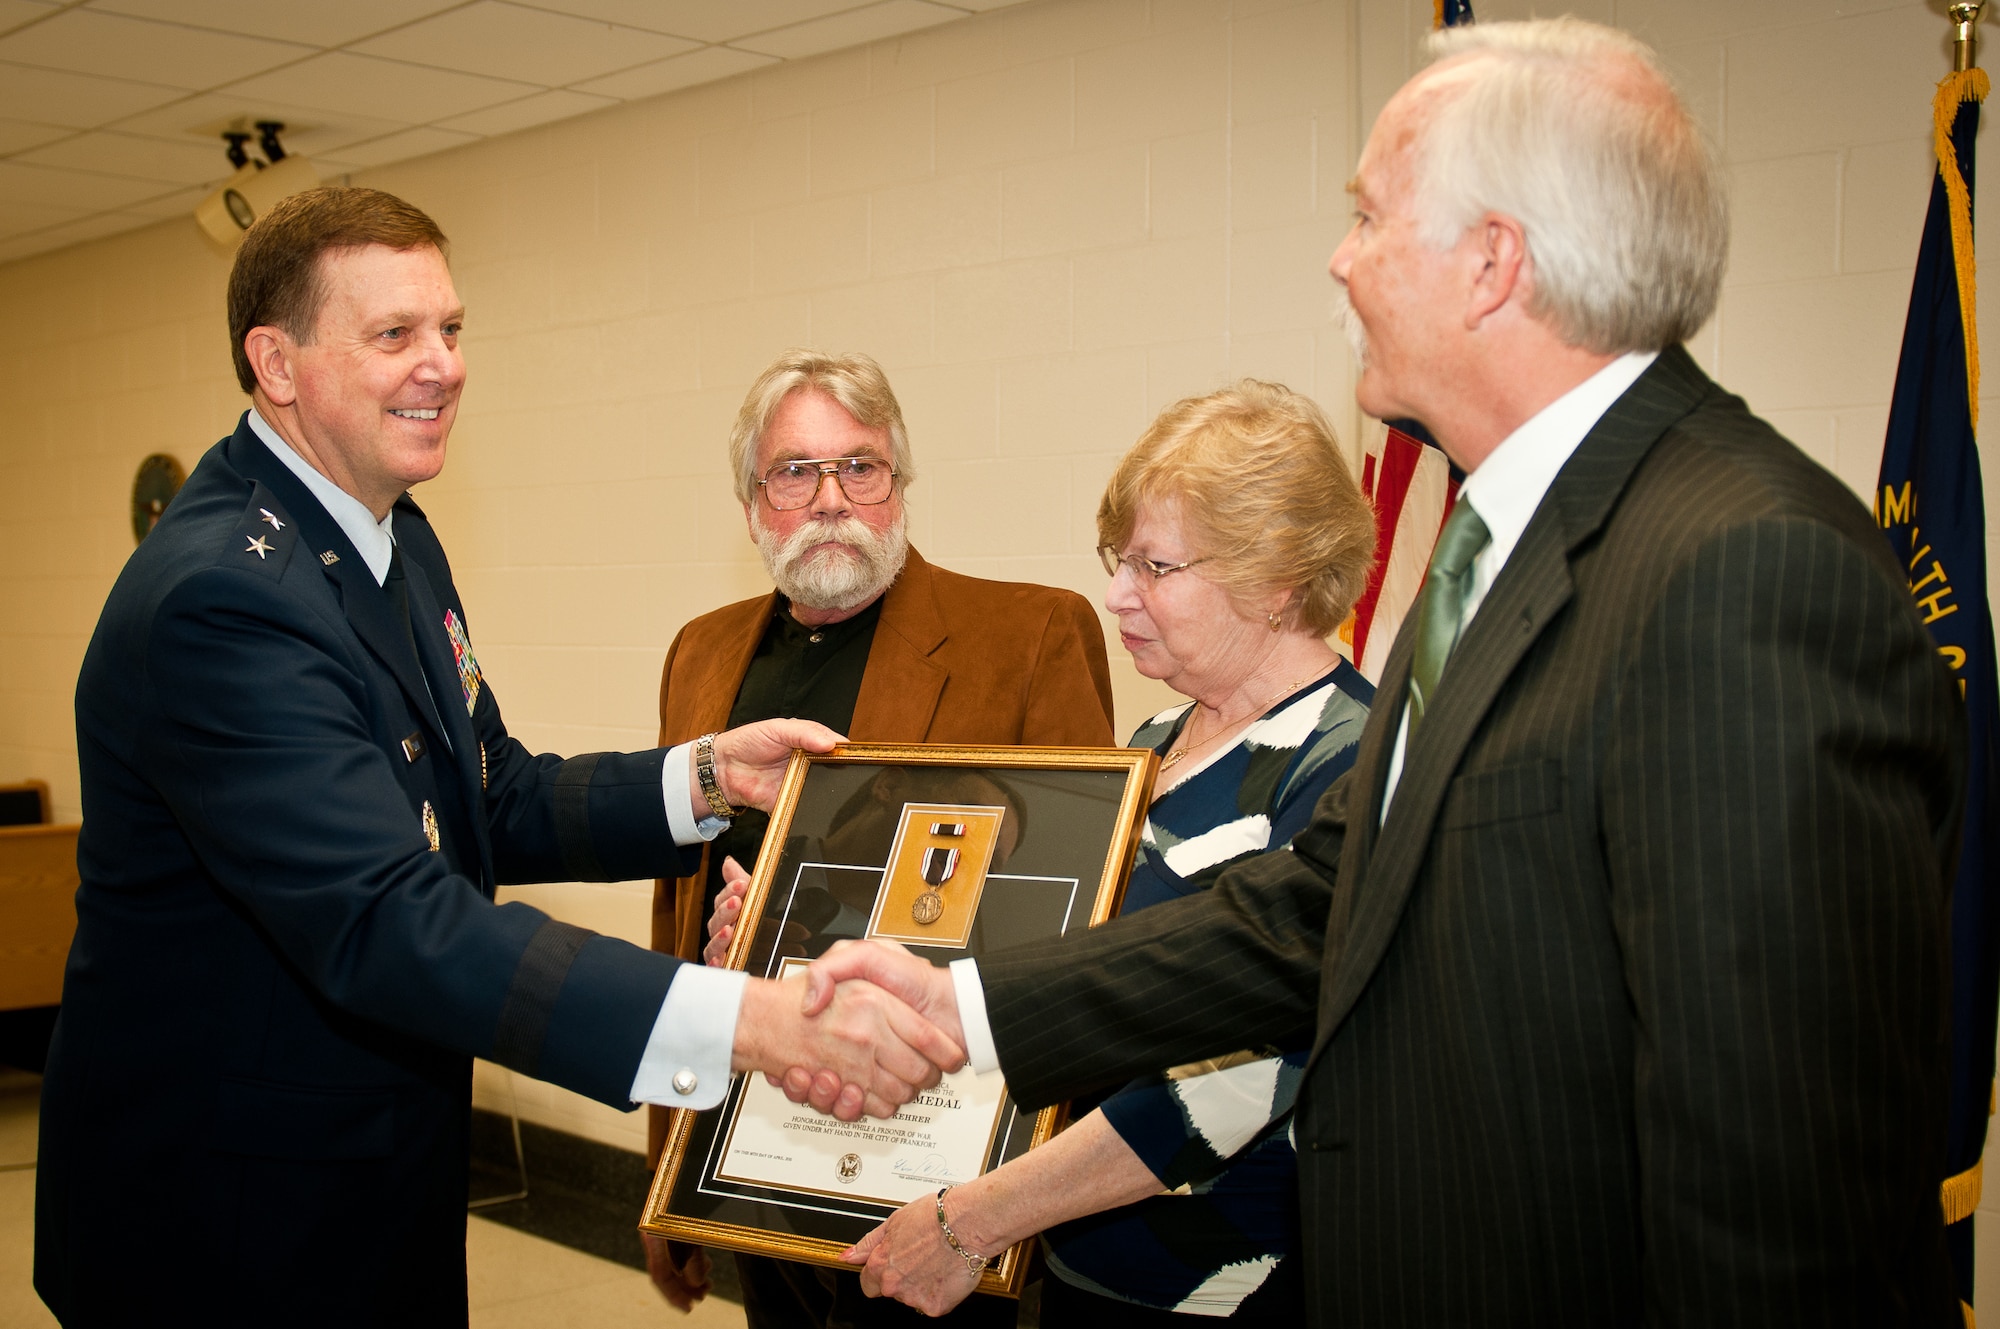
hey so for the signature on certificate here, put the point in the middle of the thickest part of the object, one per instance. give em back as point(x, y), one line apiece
point(932, 1166)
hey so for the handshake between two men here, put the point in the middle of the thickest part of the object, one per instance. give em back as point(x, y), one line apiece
point(865, 1029)
point(854, 1035)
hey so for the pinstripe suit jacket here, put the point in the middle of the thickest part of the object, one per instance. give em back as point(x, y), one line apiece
point(1634, 1008)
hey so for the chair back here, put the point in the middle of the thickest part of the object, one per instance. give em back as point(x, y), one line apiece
point(38, 882)
point(24, 804)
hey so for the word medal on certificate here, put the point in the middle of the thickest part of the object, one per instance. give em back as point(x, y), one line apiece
point(940, 1138)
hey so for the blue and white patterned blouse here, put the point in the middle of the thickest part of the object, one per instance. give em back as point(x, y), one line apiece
point(1223, 1240)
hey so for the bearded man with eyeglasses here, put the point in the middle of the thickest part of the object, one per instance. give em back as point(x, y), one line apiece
point(864, 635)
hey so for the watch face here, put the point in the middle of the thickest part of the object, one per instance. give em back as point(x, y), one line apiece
point(159, 479)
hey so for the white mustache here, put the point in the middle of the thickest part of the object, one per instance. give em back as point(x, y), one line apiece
point(1350, 323)
point(833, 578)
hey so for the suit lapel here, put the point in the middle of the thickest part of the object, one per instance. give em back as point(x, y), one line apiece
point(1529, 594)
point(368, 608)
point(902, 685)
point(700, 690)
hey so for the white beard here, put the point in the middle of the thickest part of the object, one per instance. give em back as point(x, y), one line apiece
point(833, 578)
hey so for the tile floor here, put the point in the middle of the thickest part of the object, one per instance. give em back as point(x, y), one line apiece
point(515, 1280)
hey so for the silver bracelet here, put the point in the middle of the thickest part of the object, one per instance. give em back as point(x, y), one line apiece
point(976, 1263)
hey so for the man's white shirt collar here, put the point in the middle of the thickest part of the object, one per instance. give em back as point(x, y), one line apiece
point(1509, 487)
point(1510, 484)
point(374, 540)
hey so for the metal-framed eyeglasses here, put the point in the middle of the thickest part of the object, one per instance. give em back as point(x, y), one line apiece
point(793, 484)
point(1144, 570)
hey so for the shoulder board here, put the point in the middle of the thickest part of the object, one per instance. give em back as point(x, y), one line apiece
point(264, 535)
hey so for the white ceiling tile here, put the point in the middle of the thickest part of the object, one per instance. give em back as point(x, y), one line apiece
point(314, 22)
point(365, 85)
point(19, 218)
point(164, 160)
point(532, 45)
point(400, 147)
point(14, 250)
point(20, 135)
point(13, 13)
point(94, 227)
point(891, 18)
point(682, 71)
point(307, 131)
point(540, 109)
point(81, 190)
point(703, 20)
point(111, 45)
point(180, 203)
point(77, 100)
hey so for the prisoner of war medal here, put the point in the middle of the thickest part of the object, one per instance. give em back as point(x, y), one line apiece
point(927, 852)
point(938, 865)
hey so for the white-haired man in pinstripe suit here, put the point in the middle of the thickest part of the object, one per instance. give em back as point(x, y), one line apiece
point(1624, 944)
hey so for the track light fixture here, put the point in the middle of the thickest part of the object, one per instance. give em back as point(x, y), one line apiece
point(245, 196)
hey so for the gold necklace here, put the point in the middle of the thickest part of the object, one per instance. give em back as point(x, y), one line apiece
point(1167, 762)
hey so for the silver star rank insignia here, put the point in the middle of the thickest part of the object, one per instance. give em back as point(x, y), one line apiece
point(272, 517)
point(258, 547)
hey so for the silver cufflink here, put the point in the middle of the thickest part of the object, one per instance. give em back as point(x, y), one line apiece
point(685, 1082)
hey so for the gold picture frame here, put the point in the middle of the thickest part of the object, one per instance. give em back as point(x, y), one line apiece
point(965, 848)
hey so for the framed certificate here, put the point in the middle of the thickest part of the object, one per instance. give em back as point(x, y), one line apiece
point(951, 851)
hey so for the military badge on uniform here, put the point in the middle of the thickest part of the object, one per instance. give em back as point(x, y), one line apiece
point(431, 825)
point(461, 655)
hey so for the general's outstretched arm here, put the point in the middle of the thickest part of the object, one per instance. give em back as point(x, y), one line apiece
point(1778, 791)
point(290, 802)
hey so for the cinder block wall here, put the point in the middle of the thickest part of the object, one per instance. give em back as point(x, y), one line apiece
point(1047, 222)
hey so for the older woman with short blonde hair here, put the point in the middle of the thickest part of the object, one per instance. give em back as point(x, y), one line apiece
point(1236, 541)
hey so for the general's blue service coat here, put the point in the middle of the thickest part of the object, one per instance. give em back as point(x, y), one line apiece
point(295, 813)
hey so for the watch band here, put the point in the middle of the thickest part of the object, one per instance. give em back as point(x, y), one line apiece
point(704, 770)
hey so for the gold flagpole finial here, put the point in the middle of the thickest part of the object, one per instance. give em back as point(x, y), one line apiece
point(1965, 19)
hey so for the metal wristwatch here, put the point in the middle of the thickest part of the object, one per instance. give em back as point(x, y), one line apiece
point(704, 770)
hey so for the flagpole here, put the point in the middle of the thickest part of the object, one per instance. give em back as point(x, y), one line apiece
point(1965, 18)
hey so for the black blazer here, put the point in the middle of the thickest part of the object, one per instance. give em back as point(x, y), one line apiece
point(256, 1103)
point(1635, 1008)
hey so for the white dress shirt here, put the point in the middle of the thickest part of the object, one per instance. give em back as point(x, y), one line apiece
point(1509, 486)
point(1505, 491)
point(686, 1061)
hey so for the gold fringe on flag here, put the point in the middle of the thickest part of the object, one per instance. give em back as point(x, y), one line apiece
point(1960, 1194)
point(1964, 85)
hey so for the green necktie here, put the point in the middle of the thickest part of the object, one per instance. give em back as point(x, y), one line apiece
point(1443, 608)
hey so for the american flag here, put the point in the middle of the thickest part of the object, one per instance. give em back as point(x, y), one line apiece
point(1411, 487)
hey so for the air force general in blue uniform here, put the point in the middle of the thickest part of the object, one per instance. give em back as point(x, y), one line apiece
point(299, 797)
